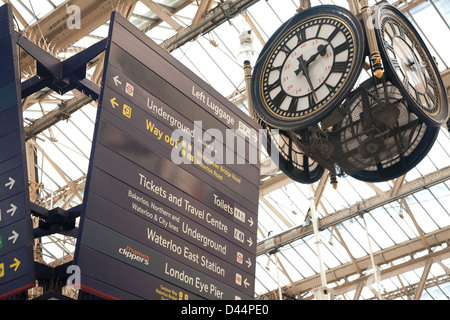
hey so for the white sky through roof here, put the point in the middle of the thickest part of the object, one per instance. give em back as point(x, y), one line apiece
point(213, 57)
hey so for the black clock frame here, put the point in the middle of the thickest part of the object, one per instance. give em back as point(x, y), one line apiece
point(440, 116)
point(258, 94)
point(305, 171)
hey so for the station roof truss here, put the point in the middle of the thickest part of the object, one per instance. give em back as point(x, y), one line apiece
point(403, 225)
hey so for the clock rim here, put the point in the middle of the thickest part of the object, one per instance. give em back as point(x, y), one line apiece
point(295, 173)
point(410, 161)
point(426, 117)
point(345, 17)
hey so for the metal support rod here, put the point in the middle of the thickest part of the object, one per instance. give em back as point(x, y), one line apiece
point(372, 260)
point(280, 296)
point(374, 55)
point(318, 242)
point(248, 79)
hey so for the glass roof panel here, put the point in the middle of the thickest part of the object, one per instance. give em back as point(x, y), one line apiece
point(212, 57)
point(424, 13)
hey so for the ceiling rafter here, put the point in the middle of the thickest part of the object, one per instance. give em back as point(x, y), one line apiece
point(397, 192)
point(163, 14)
point(393, 254)
point(353, 210)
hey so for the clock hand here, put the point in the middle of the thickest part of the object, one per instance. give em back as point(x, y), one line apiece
point(304, 68)
point(321, 50)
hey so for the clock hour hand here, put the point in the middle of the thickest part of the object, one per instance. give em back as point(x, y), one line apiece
point(321, 50)
point(304, 68)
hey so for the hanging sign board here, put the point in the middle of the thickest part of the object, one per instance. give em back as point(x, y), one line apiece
point(186, 228)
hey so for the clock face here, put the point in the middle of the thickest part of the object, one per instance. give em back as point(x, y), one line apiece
point(307, 67)
point(411, 66)
point(380, 138)
point(291, 160)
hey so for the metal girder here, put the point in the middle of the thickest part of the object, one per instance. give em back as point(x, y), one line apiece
point(52, 32)
point(162, 13)
point(383, 257)
point(409, 290)
point(203, 8)
point(398, 269)
point(423, 279)
point(276, 212)
point(354, 210)
point(223, 12)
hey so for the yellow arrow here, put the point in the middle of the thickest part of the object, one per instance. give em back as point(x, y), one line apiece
point(15, 265)
point(114, 103)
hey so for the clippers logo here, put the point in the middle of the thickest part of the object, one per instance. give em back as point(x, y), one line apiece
point(133, 254)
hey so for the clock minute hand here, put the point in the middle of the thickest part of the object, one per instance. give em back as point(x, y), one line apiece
point(321, 50)
point(304, 68)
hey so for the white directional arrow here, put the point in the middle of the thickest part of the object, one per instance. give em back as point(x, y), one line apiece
point(14, 237)
point(249, 262)
point(117, 81)
point(10, 184)
point(250, 242)
point(12, 210)
point(246, 284)
point(251, 221)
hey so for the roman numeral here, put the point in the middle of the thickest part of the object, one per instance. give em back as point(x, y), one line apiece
point(395, 63)
point(301, 35)
point(341, 48)
point(278, 100)
point(430, 83)
point(339, 67)
point(329, 87)
point(402, 33)
point(285, 49)
point(333, 34)
point(311, 101)
point(273, 86)
point(388, 46)
point(393, 28)
point(318, 31)
point(430, 93)
point(293, 105)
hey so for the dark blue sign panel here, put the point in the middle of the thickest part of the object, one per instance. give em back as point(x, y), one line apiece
point(189, 226)
point(16, 234)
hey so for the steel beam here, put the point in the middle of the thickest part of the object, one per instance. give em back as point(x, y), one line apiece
point(354, 210)
point(382, 257)
point(218, 15)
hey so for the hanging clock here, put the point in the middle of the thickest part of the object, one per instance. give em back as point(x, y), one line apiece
point(307, 67)
point(291, 160)
point(410, 66)
point(380, 139)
